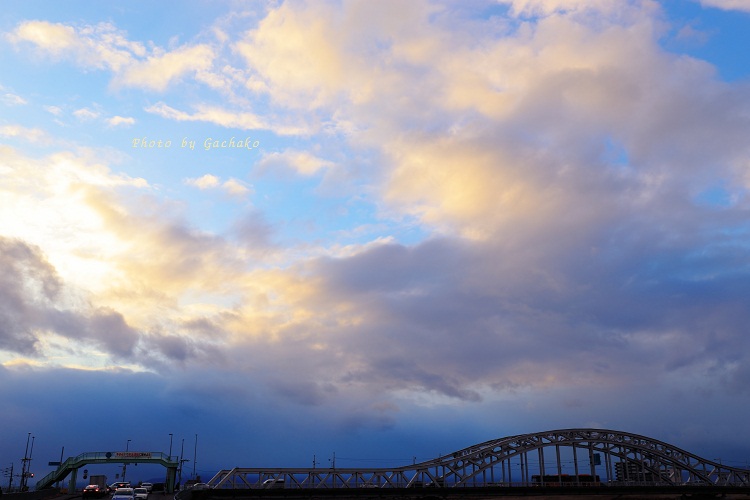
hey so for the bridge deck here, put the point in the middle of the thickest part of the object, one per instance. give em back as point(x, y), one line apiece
point(479, 493)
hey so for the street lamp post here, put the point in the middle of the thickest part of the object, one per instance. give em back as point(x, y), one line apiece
point(125, 465)
point(179, 472)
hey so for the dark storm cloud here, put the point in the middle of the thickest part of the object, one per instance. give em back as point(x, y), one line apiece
point(28, 287)
point(445, 318)
point(369, 418)
point(304, 392)
point(396, 268)
point(161, 350)
point(33, 301)
point(173, 347)
point(109, 329)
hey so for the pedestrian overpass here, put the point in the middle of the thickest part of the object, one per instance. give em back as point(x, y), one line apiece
point(70, 466)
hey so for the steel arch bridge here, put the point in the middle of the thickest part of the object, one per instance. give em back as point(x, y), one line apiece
point(568, 457)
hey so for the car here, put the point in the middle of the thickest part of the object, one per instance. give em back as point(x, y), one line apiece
point(124, 494)
point(274, 483)
point(148, 486)
point(94, 491)
point(140, 493)
point(200, 486)
point(119, 484)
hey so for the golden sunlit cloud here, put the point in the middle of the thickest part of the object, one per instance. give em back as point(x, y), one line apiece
point(302, 162)
point(100, 46)
point(32, 135)
point(205, 182)
point(162, 68)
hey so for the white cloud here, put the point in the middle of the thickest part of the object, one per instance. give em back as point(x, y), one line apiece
point(102, 46)
point(548, 7)
point(120, 121)
point(56, 38)
point(86, 114)
point(742, 5)
point(55, 110)
point(13, 100)
point(243, 120)
point(210, 114)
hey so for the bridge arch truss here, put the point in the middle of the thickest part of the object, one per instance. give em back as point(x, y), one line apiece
point(576, 457)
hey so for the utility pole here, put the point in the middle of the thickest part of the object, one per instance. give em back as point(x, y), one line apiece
point(23, 462)
point(195, 455)
point(10, 480)
point(28, 472)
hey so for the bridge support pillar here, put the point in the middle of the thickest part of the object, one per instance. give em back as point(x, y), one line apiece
point(171, 474)
point(72, 482)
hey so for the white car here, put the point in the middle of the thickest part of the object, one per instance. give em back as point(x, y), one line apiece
point(148, 486)
point(274, 483)
point(140, 493)
point(124, 494)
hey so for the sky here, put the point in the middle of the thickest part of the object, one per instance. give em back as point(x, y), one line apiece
point(268, 232)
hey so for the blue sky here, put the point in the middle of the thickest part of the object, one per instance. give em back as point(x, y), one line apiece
point(456, 221)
